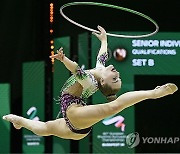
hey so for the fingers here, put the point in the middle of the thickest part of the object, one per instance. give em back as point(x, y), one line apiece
point(60, 52)
point(60, 49)
point(101, 29)
point(102, 33)
point(60, 55)
point(54, 56)
point(95, 34)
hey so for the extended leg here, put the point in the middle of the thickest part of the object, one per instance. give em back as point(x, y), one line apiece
point(56, 127)
point(86, 116)
point(131, 98)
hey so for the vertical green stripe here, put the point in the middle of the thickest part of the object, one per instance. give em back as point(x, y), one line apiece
point(4, 125)
point(33, 101)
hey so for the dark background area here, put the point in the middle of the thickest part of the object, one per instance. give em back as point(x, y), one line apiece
point(157, 118)
point(24, 34)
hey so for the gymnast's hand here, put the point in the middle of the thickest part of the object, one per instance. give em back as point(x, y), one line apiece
point(60, 55)
point(102, 36)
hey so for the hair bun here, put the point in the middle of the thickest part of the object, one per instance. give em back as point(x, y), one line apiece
point(111, 98)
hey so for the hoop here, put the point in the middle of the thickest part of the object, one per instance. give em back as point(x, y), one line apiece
point(110, 6)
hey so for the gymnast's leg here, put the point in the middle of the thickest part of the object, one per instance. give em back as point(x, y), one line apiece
point(55, 127)
point(82, 117)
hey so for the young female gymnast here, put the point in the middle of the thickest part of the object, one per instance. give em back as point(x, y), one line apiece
point(78, 118)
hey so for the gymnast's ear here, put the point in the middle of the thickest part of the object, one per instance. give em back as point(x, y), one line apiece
point(102, 81)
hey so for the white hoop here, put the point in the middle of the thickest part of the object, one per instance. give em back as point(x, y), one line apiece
point(110, 6)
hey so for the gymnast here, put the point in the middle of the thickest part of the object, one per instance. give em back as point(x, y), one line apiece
point(78, 117)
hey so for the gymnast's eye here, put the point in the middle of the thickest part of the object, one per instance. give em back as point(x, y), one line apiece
point(115, 78)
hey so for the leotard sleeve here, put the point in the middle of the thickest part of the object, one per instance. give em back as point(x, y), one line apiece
point(85, 78)
point(101, 60)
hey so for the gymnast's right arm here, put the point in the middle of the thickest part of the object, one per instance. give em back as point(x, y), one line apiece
point(103, 38)
point(70, 65)
point(103, 54)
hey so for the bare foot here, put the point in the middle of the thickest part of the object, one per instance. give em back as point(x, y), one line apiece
point(164, 90)
point(14, 119)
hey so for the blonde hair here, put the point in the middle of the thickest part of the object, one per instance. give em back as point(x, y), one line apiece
point(111, 98)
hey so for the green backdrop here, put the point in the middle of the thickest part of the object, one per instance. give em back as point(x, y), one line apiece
point(4, 125)
point(33, 103)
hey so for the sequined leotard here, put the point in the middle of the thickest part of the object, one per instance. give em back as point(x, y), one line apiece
point(90, 86)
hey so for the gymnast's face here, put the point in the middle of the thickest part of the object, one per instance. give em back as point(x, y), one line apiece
point(111, 77)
